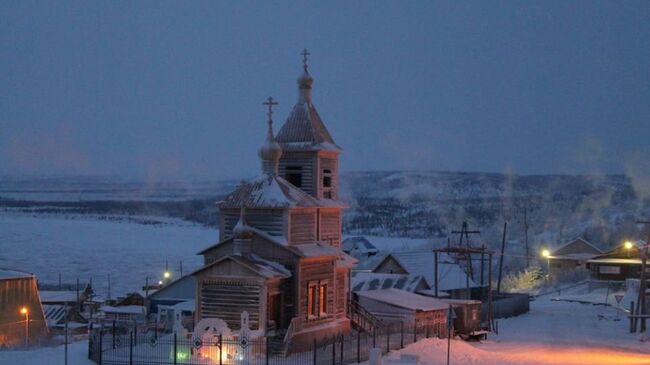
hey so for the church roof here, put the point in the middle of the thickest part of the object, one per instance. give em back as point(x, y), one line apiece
point(260, 266)
point(305, 130)
point(269, 191)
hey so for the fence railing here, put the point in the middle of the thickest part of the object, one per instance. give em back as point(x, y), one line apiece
point(128, 347)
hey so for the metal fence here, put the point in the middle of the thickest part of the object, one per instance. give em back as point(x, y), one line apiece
point(124, 346)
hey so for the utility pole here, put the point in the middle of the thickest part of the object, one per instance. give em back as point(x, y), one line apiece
point(643, 251)
point(66, 335)
point(109, 286)
point(503, 247)
point(526, 234)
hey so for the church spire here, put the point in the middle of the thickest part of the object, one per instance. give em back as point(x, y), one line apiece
point(270, 152)
point(305, 80)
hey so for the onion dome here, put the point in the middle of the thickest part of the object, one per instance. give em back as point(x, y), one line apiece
point(270, 152)
point(241, 230)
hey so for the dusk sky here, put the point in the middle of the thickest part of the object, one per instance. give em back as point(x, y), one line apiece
point(174, 90)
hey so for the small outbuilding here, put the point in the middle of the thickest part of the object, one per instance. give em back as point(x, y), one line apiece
point(621, 263)
point(394, 306)
point(22, 321)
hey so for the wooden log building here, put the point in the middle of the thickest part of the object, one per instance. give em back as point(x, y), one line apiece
point(278, 255)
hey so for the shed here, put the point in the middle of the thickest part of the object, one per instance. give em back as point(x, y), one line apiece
point(394, 306)
point(618, 264)
point(17, 291)
point(359, 247)
point(180, 290)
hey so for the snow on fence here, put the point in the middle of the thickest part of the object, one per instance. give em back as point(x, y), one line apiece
point(108, 346)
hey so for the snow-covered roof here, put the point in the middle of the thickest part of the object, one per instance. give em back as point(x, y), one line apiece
point(124, 309)
point(615, 261)
point(186, 305)
point(421, 263)
point(403, 299)
point(375, 281)
point(59, 296)
point(358, 244)
point(270, 191)
point(578, 246)
point(320, 249)
point(264, 268)
point(14, 274)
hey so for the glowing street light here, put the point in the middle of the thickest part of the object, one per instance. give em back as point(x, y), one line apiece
point(167, 275)
point(24, 311)
point(628, 245)
point(547, 254)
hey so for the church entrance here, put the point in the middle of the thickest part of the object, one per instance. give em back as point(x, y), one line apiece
point(275, 310)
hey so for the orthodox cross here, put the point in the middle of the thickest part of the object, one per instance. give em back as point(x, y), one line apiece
point(269, 102)
point(304, 54)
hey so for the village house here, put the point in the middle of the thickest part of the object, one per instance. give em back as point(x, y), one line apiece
point(571, 258)
point(359, 247)
point(618, 264)
point(278, 256)
point(452, 279)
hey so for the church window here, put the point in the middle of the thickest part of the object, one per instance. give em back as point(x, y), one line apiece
point(293, 174)
point(312, 307)
point(322, 300)
point(327, 178)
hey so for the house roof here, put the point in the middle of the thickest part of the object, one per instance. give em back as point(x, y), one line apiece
point(403, 299)
point(277, 240)
point(375, 281)
point(358, 244)
point(262, 267)
point(14, 274)
point(124, 309)
point(59, 296)
point(577, 249)
point(450, 274)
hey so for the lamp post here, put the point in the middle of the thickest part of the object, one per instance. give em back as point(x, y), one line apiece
point(24, 311)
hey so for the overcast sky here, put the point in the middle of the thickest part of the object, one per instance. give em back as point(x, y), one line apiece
point(174, 90)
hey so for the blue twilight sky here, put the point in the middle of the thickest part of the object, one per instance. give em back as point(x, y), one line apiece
point(174, 90)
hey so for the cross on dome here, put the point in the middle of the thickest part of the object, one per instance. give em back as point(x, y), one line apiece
point(270, 103)
point(304, 54)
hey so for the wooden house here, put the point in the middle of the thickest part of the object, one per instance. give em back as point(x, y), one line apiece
point(278, 256)
point(571, 256)
point(359, 247)
point(620, 263)
point(451, 277)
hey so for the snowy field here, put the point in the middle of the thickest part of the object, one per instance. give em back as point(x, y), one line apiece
point(85, 247)
point(558, 333)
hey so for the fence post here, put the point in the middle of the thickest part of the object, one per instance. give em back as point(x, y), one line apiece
point(220, 349)
point(135, 333)
point(314, 351)
point(130, 348)
point(333, 349)
point(113, 334)
point(415, 331)
point(268, 349)
point(175, 349)
point(388, 339)
point(101, 337)
point(374, 335)
point(342, 340)
point(359, 346)
point(631, 318)
point(427, 331)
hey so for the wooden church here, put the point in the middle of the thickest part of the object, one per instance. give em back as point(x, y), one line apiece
point(278, 255)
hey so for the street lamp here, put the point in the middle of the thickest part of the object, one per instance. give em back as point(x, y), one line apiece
point(167, 275)
point(24, 311)
point(628, 245)
point(547, 254)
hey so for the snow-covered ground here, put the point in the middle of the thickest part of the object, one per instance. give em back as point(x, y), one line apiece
point(554, 332)
point(85, 247)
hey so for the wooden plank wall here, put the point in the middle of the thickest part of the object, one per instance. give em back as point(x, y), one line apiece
point(328, 164)
point(330, 227)
point(270, 221)
point(303, 227)
point(306, 162)
point(316, 271)
point(228, 299)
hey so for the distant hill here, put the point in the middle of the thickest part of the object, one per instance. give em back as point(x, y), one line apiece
point(418, 204)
